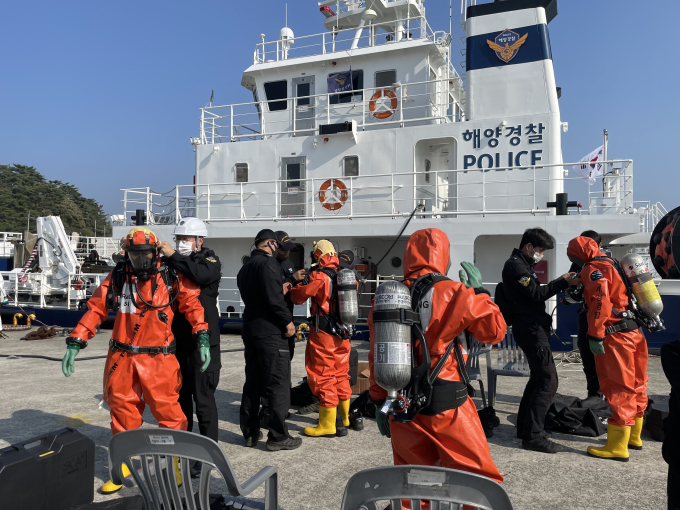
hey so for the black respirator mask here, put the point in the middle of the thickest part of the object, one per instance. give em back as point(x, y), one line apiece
point(143, 266)
point(576, 261)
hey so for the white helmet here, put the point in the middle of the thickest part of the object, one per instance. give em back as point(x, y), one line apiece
point(191, 227)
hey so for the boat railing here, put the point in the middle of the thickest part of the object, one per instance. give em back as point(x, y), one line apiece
point(398, 31)
point(33, 289)
point(415, 103)
point(83, 246)
point(444, 193)
point(650, 214)
point(6, 240)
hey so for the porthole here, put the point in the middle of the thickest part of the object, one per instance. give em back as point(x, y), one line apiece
point(396, 262)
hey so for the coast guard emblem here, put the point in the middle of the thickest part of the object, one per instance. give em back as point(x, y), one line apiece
point(507, 44)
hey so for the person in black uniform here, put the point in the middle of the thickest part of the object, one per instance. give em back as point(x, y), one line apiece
point(587, 356)
point(267, 324)
point(346, 259)
point(290, 275)
point(531, 330)
point(670, 361)
point(201, 266)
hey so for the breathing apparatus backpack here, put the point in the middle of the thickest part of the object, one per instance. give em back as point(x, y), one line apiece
point(343, 305)
point(643, 296)
point(413, 389)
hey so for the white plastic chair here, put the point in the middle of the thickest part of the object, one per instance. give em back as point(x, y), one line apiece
point(153, 450)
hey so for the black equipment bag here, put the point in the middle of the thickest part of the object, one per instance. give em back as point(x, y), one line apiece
point(54, 471)
point(580, 417)
point(353, 366)
point(503, 304)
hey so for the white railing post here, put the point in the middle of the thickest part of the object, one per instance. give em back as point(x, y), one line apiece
point(277, 194)
point(231, 122)
point(328, 108)
point(323, 43)
point(243, 215)
point(201, 131)
point(149, 201)
point(312, 196)
point(293, 102)
point(68, 293)
point(176, 204)
point(392, 191)
point(436, 190)
point(401, 106)
point(16, 289)
point(208, 201)
point(351, 197)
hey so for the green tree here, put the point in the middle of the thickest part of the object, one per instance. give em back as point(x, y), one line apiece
point(24, 189)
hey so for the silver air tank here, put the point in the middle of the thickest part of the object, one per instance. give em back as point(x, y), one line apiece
point(643, 287)
point(348, 304)
point(392, 343)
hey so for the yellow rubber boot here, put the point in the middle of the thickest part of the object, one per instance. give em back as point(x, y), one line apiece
point(344, 412)
point(109, 487)
point(635, 441)
point(326, 426)
point(616, 447)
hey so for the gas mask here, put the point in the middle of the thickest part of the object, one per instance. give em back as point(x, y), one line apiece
point(576, 261)
point(142, 265)
point(184, 248)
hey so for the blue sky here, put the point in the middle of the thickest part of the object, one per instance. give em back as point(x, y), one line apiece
point(105, 94)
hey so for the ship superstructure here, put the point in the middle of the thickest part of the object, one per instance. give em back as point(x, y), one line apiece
point(350, 129)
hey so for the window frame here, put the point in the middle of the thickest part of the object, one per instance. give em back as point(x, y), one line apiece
point(338, 99)
point(375, 78)
point(279, 101)
point(236, 170)
point(344, 174)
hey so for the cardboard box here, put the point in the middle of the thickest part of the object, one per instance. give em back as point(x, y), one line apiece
point(363, 383)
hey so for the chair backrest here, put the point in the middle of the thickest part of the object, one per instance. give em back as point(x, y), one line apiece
point(151, 454)
point(475, 348)
point(510, 356)
point(423, 483)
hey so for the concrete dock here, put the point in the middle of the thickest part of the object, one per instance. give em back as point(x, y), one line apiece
point(36, 398)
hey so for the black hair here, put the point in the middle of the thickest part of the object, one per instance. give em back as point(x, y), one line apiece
point(593, 235)
point(538, 238)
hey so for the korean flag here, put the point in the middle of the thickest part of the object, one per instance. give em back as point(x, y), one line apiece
point(592, 166)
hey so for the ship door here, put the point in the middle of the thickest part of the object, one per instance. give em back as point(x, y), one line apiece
point(293, 187)
point(303, 88)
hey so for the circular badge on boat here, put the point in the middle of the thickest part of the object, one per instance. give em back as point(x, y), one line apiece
point(333, 194)
point(383, 104)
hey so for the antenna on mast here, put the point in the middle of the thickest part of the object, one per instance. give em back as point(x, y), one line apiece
point(286, 14)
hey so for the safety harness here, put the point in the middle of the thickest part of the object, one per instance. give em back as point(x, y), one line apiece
point(629, 319)
point(330, 322)
point(426, 393)
point(121, 275)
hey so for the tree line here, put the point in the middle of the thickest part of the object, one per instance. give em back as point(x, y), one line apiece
point(24, 189)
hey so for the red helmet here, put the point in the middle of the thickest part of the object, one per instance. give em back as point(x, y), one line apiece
point(141, 249)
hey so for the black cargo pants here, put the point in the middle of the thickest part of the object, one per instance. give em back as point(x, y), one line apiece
point(199, 387)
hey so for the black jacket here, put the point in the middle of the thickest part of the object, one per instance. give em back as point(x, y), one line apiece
point(260, 282)
point(288, 269)
point(205, 270)
point(525, 292)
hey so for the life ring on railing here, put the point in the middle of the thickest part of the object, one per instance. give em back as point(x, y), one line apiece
point(379, 106)
point(333, 194)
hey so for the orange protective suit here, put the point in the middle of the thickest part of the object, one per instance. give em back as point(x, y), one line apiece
point(622, 369)
point(132, 381)
point(455, 438)
point(326, 356)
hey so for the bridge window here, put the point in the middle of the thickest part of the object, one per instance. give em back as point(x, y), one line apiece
point(276, 90)
point(241, 172)
point(357, 86)
point(350, 166)
point(385, 78)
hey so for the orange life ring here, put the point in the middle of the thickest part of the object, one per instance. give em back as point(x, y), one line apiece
point(379, 107)
point(333, 194)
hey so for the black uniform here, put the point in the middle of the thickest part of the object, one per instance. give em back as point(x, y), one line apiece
point(267, 354)
point(204, 269)
point(288, 269)
point(587, 356)
point(531, 330)
point(670, 361)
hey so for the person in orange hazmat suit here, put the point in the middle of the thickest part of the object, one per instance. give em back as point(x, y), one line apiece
point(620, 356)
point(326, 355)
point(141, 368)
point(453, 438)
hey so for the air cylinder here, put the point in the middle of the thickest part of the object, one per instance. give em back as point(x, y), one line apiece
point(348, 303)
point(643, 287)
point(392, 343)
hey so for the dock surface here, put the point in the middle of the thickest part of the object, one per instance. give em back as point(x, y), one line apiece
point(36, 398)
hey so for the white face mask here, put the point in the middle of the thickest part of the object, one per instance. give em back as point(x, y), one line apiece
point(538, 256)
point(184, 248)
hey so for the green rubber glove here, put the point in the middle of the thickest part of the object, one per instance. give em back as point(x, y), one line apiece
point(596, 347)
point(470, 275)
point(67, 364)
point(204, 349)
point(383, 423)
